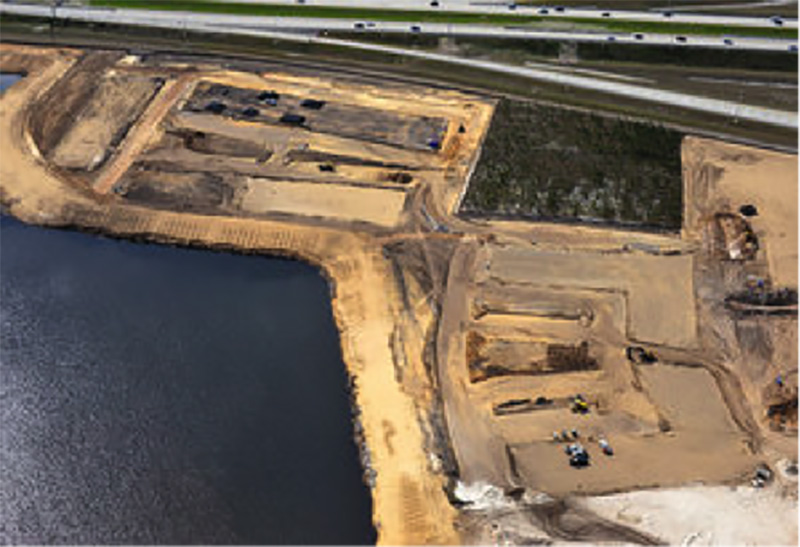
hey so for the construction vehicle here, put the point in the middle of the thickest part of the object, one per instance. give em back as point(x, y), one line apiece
point(580, 405)
point(578, 456)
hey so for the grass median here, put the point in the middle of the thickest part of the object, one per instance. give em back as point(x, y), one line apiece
point(420, 16)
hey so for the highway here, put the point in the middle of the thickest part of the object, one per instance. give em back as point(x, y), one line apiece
point(315, 25)
point(778, 118)
point(505, 8)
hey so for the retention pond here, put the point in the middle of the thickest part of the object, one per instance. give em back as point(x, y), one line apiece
point(153, 395)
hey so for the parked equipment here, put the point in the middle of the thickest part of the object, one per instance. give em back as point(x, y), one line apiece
point(578, 456)
point(580, 405)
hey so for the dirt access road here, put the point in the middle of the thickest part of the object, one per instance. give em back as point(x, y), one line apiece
point(405, 292)
point(410, 506)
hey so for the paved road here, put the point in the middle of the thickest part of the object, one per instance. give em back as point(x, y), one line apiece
point(496, 6)
point(313, 25)
point(768, 116)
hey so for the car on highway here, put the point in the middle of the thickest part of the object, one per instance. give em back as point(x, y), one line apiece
point(612, 39)
point(681, 39)
point(434, 3)
point(793, 48)
point(415, 28)
point(370, 24)
point(512, 6)
point(559, 9)
point(776, 20)
point(543, 11)
point(727, 42)
point(638, 36)
point(605, 14)
point(667, 14)
point(359, 26)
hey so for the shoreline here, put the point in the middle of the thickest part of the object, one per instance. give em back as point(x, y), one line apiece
point(409, 501)
point(404, 298)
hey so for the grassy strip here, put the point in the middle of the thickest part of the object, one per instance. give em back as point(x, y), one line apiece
point(516, 50)
point(327, 12)
point(697, 29)
point(242, 50)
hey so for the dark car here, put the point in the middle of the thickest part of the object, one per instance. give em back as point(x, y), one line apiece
point(681, 39)
point(579, 459)
point(216, 107)
point(358, 26)
point(559, 9)
point(605, 14)
point(512, 6)
point(543, 11)
point(578, 456)
point(293, 119)
point(667, 14)
point(415, 28)
point(250, 112)
point(793, 48)
point(639, 36)
point(612, 38)
point(269, 97)
point(727, 42)
point(312, 104)
point(435, 3)
point(776, 20)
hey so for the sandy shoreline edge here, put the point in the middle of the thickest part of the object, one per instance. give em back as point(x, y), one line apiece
point(409, 502)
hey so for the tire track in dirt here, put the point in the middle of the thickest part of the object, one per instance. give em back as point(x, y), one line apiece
point(141, 133)
point(729, 386)
point(562, 520)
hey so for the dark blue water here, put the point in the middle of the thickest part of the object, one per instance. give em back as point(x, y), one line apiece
point(170, 396)
point(6, 80)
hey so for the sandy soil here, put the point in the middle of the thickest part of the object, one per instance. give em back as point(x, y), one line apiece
point(347, 203)
point(722, 177)
point(87, 142)
point(658, 289)
point(406, 294)
point(706, 515)
point(145, 130)
point(410, 506)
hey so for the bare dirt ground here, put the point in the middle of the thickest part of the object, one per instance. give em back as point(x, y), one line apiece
point(724, 177)
point(467, 339)
point(717, 515)
point(373, 205)
point(410, 506)
point(99, 127)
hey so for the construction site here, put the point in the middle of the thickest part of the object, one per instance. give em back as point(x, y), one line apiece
point(516, 381)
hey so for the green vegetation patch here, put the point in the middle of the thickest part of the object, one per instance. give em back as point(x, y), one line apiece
point(557, 164)
point(689, 57)
point(429, 16)
point(325, 12)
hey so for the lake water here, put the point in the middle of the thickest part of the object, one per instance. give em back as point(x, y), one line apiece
point(153, 395)
point(6, 80)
